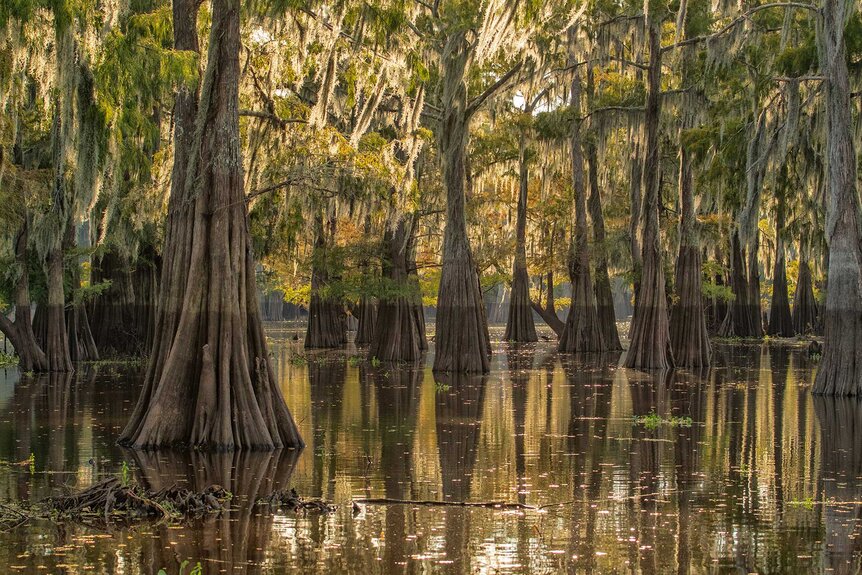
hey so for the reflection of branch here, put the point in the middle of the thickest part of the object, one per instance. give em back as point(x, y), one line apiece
point(493, 88)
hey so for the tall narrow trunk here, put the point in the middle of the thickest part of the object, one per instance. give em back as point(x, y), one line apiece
point(738, 321)
point(582, 332)
point(636, 200)
point(840, 371)
point(82, 347)
point(780, 319)
point(463, 342)
point(366, 311)
point(519, 325)
point(604, 294)
point(804, 304)
point(398, 332)
point(209, 382)
point(650, 332)
point(755, 313)
point(20, 330)
point(413, 280)
point(689, 336)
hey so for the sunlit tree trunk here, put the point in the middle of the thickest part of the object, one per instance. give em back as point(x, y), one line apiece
point(780, 319)
point(519, 325)
point(689, 336)
point(463, 342)
point(604, 295)
point(582, 332)
point(650, 334)
point(398, 332)
point(209, 382)
point(840, 371)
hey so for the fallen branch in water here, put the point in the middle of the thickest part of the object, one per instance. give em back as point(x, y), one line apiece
point(113, 500)
point(291, 501)
point(10, 518)
point(430, 503)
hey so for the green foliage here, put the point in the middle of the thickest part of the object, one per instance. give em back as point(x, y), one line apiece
point(653, 420)
point(196, 570)
point(8, 360)
point(441, 387)
point(375, 362)
point(125, 475)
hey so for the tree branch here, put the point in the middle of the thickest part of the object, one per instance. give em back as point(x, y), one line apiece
point(282, 122)
point(492, 89)
point(739, 19)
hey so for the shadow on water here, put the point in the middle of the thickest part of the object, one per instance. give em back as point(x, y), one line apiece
point(737, 468)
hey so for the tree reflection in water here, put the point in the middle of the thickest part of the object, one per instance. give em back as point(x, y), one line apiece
point(766, 478)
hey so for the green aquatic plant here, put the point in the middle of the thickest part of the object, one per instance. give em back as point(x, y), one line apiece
point(125, 475)
point(354, 360)
point(652, 420)
point(196, 570)
point(298, 359)
point(375, 362)
point(8, 359)
point(441, 387)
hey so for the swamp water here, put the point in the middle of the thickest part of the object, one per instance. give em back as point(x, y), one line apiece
point(735, 470)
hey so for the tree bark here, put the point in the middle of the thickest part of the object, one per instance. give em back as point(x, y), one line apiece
point(804, 305)
point(604, 294)
point(840, 370)
point(688, 332)
point(548, 312)
point(650, 332)
point(82, 347)
point(399, 330)
point(20, 330)
point(519, 324)
point(209, 382)
point(582, 332)
point(739, 321)
point(780, 319)
point(463, 342)
point(327, 321)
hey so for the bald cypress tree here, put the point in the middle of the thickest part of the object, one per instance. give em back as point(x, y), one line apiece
point(209, 383)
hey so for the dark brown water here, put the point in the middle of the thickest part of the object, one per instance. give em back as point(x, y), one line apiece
point(765, 479)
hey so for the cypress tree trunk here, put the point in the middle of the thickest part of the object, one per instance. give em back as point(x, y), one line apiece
point(20, 330)
point(327, 321)
point(689, 336)
point(123, 316)
point(840, 371)
point(413, 280)
point(82, 347)
point(755, 314)
point(56, 341)
point(804, 304)
point(636, 200)
point(209, 382)
point(738, 321)
point(604, 295)
point(399, 329)
point(463, 342)
point(367, 319)
point(780, 319)
point(582, 332)
point(366, 312)
point(650, 331)
point(519, 325)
